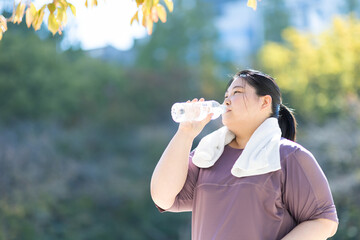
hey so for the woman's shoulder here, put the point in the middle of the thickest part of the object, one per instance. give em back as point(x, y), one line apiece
point(292, 150)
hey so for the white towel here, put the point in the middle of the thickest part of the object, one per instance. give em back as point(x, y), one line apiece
point(261, 154)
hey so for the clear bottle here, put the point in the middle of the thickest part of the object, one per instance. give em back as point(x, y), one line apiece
point(196, 111)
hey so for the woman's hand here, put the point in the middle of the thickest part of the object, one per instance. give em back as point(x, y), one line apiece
point(194, 128)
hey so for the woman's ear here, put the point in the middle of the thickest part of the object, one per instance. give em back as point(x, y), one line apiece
point(266, 102)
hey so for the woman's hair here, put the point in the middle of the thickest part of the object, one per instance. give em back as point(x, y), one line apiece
point(266, 85)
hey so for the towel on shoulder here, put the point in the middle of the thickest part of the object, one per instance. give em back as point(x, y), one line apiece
point(261, 154)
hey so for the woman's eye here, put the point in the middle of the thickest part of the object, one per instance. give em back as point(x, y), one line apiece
point(237, 92)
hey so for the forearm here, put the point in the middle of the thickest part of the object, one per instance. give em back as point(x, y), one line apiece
point(171, 171)
point(319, 229)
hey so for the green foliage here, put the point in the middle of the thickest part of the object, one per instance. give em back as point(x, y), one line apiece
point(49, 192)
point(82, 138)
point(318, 73)
point(349, 212)
point(36, 82)
point(187, 45)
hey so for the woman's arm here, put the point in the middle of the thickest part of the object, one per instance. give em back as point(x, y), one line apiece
point(307, 196)
point(171, 171)
point(319, 229)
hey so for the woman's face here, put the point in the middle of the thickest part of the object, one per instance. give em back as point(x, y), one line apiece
point(243, 104)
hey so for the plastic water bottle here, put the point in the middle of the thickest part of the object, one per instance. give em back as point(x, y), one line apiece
point(196, 111)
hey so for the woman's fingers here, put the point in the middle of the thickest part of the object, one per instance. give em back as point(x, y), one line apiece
point(208, 118)
point(196, 100)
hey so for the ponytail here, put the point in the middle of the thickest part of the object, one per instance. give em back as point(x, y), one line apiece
point(287, 123)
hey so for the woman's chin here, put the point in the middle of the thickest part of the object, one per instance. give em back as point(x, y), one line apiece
point(225, 121)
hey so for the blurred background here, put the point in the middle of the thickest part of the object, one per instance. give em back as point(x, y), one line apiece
point(82, 128)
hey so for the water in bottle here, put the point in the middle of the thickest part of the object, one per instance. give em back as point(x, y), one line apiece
point(196, 111)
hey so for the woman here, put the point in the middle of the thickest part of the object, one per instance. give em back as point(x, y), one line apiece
point(282, 195)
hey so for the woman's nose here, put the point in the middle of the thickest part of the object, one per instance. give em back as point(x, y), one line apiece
point(227, 101)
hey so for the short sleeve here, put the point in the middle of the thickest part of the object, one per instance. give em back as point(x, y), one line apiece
point(307, 193)
point(184, 200)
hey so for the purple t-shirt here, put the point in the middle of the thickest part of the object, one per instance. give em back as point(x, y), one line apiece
point(262, 207)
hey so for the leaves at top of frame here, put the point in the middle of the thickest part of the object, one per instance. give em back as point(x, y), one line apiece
point(169, 5)
point(30, 14)
point(92, 3)
point(252, 4)
point(19, 13)
point(151, 11)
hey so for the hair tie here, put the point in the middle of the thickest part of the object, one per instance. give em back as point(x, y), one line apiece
point(277, 110)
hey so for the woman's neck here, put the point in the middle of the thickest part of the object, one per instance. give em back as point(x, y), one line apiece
point(239, 142)
point(243, 134)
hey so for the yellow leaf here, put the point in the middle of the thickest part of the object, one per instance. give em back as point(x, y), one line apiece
point(29, 17)
point(139, 2)
point(154, 15)
point(3, 26)
point(22, 11)
point(252, 4)
point(32, 9)
point(155, 2)
point(149, 25)
point(3, 23)
point(15, 18)
point(73, 9)
point(161, 12)
point(19, 13)
point(53, 24)
point(146, 15)
point(135, 17)
point(169, 5)
point(61, 16)
point(51, 7)
point(63, 4)
point(92, 3)
point(144, 21)
point(148, 4)
point(42, 8)
point(38, 19)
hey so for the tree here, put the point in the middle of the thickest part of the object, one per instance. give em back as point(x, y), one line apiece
point(318, 73)
point(276, 19)
point(151, 11)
